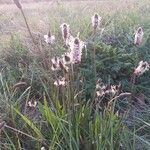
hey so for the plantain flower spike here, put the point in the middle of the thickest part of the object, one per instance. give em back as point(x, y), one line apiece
point(43, 148)
point(60, 82)
point(65, 32)
point(17, 4)
point(32, 104)
point(49, 39)
point(95, 20)
point(142, 67)
point(138, 36)
point(76, 50)
point(67, 58)
point(55, 64)
point(63, 67)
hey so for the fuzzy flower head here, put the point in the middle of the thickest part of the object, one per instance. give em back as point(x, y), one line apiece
point(96, 20)
point(138, 36)
point(69, 40)
point(43, 148)
point(100, 88)
point(17, 4)
point(55, 64)
point(112, 90)
point(76, 50)
point(49, 39)
point(100, 93)
point(60, 82)
point(32, 104)
point(67, 59)
point(142, 67)
point(63, 67)
point(65, 31)
point(104, 89)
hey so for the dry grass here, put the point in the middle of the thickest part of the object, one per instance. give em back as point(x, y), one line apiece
point(44, 15)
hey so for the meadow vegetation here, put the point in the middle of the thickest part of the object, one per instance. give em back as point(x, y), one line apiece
point(37, 114)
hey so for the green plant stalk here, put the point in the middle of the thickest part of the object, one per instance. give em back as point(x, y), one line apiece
point(133, 82)
point(72, 111)
point(63, 93)
point(71, 86)
point(94, 62)
point(132, 85)
point(94, 56)
point(18, 131)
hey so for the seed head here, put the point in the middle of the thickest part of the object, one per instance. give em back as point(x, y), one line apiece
point(100, 88)
point(43, 148)
point(100, 93)
point(76, 50)
point(69, 40)
point(60, 82)
point(112, 90)
point(95, 20)
point(138, 36)
point(67, 59)
point(55, 64)
point(17, 4)
point(32, 104)
point(63, 67)
point(54, 67)
point(103, 89)
point(65, 31)
point(141, 68)
point(76, 41)
point(49, 39)
point(49, 34)
point(55, 60)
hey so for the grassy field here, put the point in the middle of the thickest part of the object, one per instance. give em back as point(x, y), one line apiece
point(36, 114)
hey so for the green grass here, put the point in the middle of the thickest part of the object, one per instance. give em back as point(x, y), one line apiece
point(69, 118)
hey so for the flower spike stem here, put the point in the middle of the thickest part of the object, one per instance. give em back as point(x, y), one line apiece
point(27, 26)
point(94, 62)
point(94, 56)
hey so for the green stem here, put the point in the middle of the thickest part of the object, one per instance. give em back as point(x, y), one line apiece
point(94, 63)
